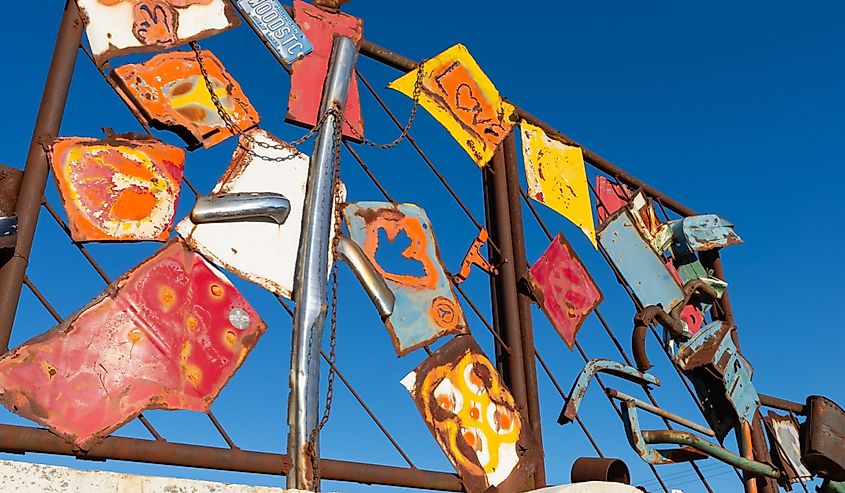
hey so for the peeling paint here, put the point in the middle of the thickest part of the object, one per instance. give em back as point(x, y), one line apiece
point(786, 445)
point(308, 74)
point(612, 196)
point(261, 252)
point(426, 307)
point(122, 27)
point(159, 337)
point(460, 96)
point(564, 289)
point(472, 415)
point(557, 177)
point(123, 187)
point(170, 93)
point(474, 257)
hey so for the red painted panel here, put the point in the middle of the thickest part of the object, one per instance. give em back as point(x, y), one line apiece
point(693, 317)
point(564, 288)
point(309, 73)
point(612, 197)
point(167, 335)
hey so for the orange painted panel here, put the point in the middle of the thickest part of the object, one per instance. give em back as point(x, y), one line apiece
point(169, 91)
point(121, 188)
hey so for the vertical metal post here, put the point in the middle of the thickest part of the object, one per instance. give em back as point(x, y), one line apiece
point(527, 328)
point(36, 170)
point(312, 273)
point(506, 303)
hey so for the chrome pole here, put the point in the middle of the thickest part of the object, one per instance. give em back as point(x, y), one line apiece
point(311, 285)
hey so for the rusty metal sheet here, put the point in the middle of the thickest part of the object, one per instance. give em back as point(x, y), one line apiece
point(122, 27)
point(612, 196)
point(121, 188)
point(261, 252)
point(636, 261)
point(822, 445)
point(426, 306)
point(473, 417)
point(10, 185)
point(557, 177)
point(704, 232)
point(460, 96)
point(474, 257)
point(657, 233)
point(785, 438)
point(169, 91)
point(309, 73)
point(167, 335)
point(564, 288)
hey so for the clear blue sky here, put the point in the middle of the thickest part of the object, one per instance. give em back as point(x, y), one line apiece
point(732, 108)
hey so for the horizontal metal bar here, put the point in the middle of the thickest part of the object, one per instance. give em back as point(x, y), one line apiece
point(783, 404)
point(22, 439)
point(645, 406)
point(241, 206)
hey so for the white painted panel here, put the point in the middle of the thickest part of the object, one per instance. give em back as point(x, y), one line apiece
point(22, 477)
point(263, 253)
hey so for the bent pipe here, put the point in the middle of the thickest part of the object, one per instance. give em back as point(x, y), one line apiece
point(241, 206)
point(373, 283)
point(641, 439)
point(579, 389)
point(670, 321)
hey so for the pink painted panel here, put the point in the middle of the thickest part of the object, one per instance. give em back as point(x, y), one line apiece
point(612, 196)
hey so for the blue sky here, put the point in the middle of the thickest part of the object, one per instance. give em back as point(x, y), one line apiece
point(731, 108)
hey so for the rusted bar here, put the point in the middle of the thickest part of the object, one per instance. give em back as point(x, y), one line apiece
point(60, 222)
point(149, 426)
point(221, 430)
point(783, 404)
point(47, 124)
point(42, 299)
point(23, 439)
point(507, 302)
point(524, 303)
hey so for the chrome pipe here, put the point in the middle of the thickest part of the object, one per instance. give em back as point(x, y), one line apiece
point(311, 286)
point(242, 206)
point(373, 282)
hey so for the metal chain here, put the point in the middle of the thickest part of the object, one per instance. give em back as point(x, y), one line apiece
point(404, 133)
point(312, 442)
point(233, 126)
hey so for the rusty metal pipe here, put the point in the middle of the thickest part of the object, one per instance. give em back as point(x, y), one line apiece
point(746, 449)
point(526, 326)
point(645, 406)
point(783, 404)
point(507, 303)
point(23, 439)
point(586, 469)
point(36, 170)
point(311, 287)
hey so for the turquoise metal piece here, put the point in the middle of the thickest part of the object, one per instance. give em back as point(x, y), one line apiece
point(639, 265)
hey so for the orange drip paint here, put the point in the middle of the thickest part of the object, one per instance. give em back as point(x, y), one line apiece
point(133, 204)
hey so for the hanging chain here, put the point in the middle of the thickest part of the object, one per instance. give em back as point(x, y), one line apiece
point(337, 203)
point(418, 83)
point(235, 129)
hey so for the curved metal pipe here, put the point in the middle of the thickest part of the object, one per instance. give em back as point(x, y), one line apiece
point(374, 284)
point(242, 206)
point(688, 439)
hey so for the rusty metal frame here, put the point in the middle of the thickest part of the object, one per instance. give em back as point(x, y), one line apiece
point(515, 340)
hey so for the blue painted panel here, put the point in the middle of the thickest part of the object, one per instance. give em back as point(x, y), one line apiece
point(277, 28)
point(641, 268)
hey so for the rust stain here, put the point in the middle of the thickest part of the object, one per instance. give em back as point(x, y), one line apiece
point(131, 350)
point(474, 257)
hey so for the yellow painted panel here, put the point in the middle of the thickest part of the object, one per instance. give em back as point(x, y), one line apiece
point(557, 177)
point(462, 98)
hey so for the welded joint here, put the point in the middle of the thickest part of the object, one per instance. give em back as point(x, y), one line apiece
point(373, 282)
point(600, 365)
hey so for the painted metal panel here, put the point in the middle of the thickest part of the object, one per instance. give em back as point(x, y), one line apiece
point(169, 91)
point(261, 252)
point(167, 335)
point(10, 185)
point(612, 196)
point(121, 27)
point(691, 314)
point(637, 262)
point(474, 257)
point(123, 187)
point(821, 443)
point(473, 417)
point(557, 177)
point(460, 96)
point(309, 74)
point(705, 232)
point(564, 289)
point(426, 306)
point(278, 29)
point(23, 477)
point(783, 432)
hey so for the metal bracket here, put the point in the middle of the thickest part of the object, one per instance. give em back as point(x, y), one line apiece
point(600, 365)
